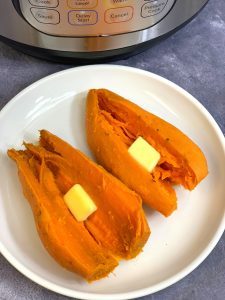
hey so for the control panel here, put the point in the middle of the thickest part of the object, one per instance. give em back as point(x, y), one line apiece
point(76, 18)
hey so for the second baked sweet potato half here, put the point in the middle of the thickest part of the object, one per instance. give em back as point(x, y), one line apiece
point(114, 123)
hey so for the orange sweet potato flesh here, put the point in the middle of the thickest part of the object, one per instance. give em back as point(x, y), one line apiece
point(118, 229)
point(119, 224)
point(113, 124)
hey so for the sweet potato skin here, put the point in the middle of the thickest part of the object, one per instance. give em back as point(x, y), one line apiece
point(111, 131)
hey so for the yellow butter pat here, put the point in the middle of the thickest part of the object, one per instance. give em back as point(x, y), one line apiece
point(79, 203)
point(144, 154)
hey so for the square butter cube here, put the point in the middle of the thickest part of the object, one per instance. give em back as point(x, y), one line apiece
point(79, 203)
point(144, 154)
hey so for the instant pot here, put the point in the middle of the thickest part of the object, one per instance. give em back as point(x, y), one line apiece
point(90, 29)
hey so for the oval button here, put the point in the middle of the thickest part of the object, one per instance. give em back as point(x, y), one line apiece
point(153, 8)
point(82, 3)
point(45, 3)
point(83, 17)
point(46, 16)
point(119, 2)
point(119, 15)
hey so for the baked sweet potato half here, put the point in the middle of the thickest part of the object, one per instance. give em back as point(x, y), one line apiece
point(114, 123)
point(92, 248)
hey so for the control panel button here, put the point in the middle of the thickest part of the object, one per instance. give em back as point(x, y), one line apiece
point(153, 8)
point(83, 17)
point(46, 16)
point(82, 4)
point(118, 15)
point(44, 3)
point(119, 2)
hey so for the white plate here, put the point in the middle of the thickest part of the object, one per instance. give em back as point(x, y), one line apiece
point(177, 244)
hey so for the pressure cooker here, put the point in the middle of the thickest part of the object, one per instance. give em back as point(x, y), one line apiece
point(90, 29)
